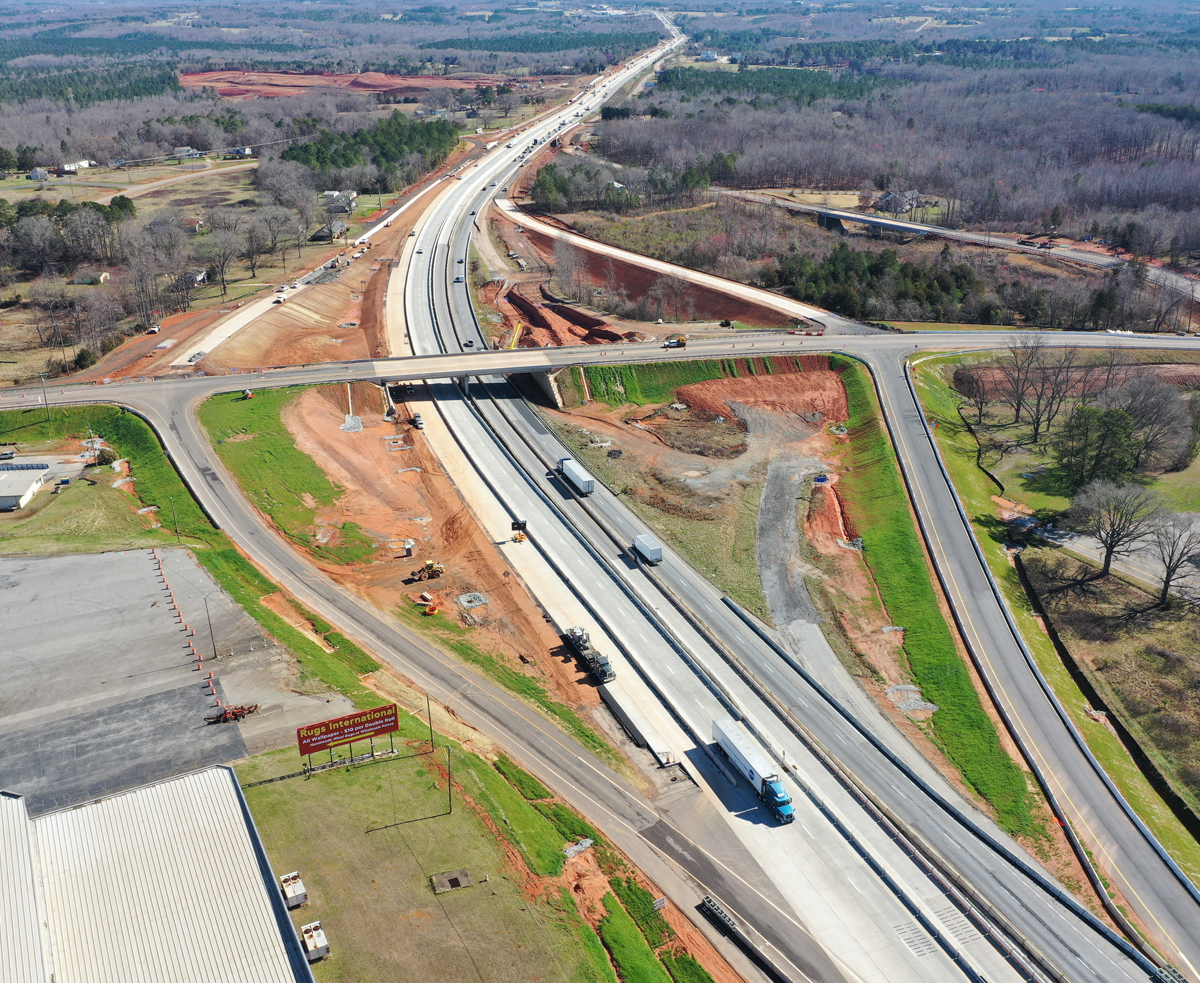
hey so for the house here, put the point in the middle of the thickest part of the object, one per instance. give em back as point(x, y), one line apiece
point(185, 153)
point(79, 165)
point(39, 174)
point(193, 225)
point(331, 230)
point(91, 277)
point(708, 56)
point(342, 203)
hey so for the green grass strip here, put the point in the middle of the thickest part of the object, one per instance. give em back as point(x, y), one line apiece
point(277, 477)
point(454, 637)
point(521, 780)
point(878, 508)
point(684, 969)
point(570, 825)
point(597, 969)
point(640, 904)
point(537, 839)
point(635, 960)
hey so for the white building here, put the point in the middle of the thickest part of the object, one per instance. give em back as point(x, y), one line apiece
point(18, 487)
point(164, 882)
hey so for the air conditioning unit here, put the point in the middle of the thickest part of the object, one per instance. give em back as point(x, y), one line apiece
point(315, 945)
point(294, 893)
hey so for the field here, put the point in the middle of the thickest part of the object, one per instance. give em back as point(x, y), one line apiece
point(975, 489)
point(395, 827)
point(281, 481)
point(367, 839)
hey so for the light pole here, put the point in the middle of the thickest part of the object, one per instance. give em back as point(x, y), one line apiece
point(45, 398)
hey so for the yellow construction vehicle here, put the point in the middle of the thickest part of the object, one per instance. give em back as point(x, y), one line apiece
point(431, 571)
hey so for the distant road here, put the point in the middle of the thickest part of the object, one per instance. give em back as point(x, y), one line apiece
point(1176, 281)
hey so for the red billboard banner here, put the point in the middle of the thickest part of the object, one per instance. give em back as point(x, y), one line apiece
point(354, 727)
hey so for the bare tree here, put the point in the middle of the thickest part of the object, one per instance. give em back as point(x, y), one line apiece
point(974, 386)
point(258, 244)
point(1163, 425)
point(566, 268)
point(1175, 543)
point(1016, 368)
point(219, 250)
point(276, 222)
point(441, 97)
point(1050, 383)
point(225, 219)
point(36, 241)
point(1118, 516)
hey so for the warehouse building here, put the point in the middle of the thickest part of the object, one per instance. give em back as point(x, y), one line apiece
point(17, 487)
point(165, 882)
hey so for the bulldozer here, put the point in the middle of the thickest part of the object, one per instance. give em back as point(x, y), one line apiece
point(431, 571)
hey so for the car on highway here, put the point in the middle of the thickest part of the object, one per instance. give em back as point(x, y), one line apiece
point(459, 278)
point(420, 250)
point(468, 343)
point(460, 259)
point(472, 211)
point(492, 185)
point(412, 232)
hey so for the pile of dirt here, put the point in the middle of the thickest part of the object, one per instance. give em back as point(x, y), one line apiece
point(558, 324)
point(816, 396)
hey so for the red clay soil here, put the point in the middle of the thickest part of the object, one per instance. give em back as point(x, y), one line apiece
point(254, 85)
point(544, 326)
point(696, 303)
point(423, 505)
point(820, 391)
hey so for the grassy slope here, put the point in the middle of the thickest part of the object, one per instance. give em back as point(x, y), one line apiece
point(635, 960)
point(878, 508)
point(974, 488)
point(273, 473)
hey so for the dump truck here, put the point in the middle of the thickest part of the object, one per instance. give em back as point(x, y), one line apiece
point(675, 341)
point(576, 476)
point(598, 663)
point(744, 753)
point(648, 548)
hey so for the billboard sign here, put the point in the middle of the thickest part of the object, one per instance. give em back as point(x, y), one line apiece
point(354, 727)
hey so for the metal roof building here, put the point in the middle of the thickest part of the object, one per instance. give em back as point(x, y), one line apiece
point(165, 882)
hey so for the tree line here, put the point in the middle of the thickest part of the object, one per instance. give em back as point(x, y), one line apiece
point(619, 44)
point(387, 143)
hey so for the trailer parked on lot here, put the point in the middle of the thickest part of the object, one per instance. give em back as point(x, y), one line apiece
point(744, 753)
point(576, 476)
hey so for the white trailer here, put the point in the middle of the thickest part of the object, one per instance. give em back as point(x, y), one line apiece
point(576, 476)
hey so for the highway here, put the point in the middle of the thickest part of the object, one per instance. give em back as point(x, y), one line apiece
point(703, 659)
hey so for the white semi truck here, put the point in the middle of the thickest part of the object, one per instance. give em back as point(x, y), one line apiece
point(576, 476)
point(744, 753)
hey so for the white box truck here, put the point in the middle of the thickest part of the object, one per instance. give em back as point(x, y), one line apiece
point(648, 548)
point(576, 476)
point(747, 757)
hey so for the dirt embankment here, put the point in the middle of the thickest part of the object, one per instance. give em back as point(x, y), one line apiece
point(817, 396)
point(254, 85)
point(395, 490)
point(691, 302)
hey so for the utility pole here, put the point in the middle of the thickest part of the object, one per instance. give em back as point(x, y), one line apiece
point(45, 398)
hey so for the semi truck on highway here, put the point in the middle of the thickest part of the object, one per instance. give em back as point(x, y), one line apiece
point(598, 663)
point(744, 753)
point(576, 476)
point(648, 548)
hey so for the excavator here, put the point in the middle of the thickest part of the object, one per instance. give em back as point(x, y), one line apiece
point(431, 571)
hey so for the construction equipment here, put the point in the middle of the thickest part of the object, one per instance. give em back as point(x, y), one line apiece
point(230, 713)
point(519, 537)
point(431, 571)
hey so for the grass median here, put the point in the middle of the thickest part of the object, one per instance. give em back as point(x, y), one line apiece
point(877, 504)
